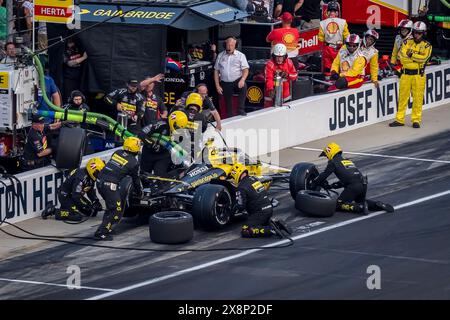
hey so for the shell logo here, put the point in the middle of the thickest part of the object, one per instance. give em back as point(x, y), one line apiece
point(332, 27)
point(254, 94)
point(345, 66)
point(288, 38)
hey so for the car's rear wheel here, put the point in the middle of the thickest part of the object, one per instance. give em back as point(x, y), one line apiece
point(211, 207)
point(171, 227)
point(315, 203)
point(301, 176)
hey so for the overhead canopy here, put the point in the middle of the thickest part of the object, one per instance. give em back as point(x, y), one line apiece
point(192, 15)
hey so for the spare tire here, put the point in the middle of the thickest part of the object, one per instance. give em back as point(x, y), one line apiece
point(301, 175)
point(171, 227)
point(315, 203)
point(71, 144)
point(211, 207)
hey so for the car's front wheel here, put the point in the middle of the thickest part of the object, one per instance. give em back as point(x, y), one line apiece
point(211, 207)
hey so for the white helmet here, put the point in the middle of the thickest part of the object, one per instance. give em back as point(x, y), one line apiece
point(372, 33)
point(279, 50)
point(405, 23)
point(419, 26)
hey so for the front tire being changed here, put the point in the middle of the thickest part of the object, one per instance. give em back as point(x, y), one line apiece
point(211, 207)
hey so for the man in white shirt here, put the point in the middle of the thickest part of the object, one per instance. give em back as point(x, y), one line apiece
point(230, 73)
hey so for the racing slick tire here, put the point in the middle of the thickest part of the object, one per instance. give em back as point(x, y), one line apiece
point(315, 203)
point(71, 144)
point(171, 227)
point(301, 175)
point(211, 207)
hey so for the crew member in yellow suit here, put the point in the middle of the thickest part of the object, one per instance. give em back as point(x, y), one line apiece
point(414, 55)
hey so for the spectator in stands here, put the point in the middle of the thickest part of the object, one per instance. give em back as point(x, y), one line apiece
point(74, 56)
point(290, 6)
point(310, 13)
point(3, 25)
point(286, 35)
point(279, 65)
point(230, 73)
point(208, 107)
point(10, 50)
point(154, 106)
point(37, 152)
point(369, 52)
point(348, 66)
point(130, 102)
point(332, 33)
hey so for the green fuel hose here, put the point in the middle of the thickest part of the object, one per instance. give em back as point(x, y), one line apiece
point(94, 118)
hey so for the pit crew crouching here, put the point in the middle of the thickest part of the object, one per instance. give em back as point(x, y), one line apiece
point(353, 197)
point(252, 196)
point(348, 66)
point(71, 193)
point(123, 164)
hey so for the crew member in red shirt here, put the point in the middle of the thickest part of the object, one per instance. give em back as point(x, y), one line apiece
point(279, 64)
point(286, 35)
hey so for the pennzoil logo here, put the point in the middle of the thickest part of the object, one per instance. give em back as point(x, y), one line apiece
point(332, 27)
point(203, 180)
point(254, 94)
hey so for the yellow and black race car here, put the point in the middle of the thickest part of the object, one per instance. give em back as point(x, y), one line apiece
point(206, 189)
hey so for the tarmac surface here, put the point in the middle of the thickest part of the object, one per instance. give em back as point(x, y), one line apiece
point(331, 258)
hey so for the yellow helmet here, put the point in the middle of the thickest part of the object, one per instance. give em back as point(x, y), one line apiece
point(132, 144)
point(196, 100)
point(93, 166)
point(177, 120)
point(237, 171)
point(331, 150)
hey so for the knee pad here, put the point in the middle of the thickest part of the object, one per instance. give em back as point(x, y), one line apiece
point(256, 232)
point(341, 83)
point(351, 207)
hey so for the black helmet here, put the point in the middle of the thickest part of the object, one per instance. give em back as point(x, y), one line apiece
point(333, 6)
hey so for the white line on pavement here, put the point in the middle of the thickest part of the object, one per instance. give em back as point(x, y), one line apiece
point(53, 284)
point(247, 252)
point(377, 155)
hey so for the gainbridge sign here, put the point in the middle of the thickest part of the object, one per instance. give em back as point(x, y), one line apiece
point(56, 11)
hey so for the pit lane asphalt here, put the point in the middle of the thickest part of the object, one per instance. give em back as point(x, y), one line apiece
point(410, 247)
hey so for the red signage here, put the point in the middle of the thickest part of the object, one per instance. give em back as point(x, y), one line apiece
point(309, 41)
point(58, 11)
point(371, 13)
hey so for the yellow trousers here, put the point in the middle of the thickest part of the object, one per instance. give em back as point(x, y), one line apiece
point(416, 84)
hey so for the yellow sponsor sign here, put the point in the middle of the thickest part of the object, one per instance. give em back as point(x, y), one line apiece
point(57, 11)
point(4, 80)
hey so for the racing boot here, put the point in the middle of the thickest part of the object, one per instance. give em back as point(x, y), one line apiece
point(68, 215)
point(352, 207)
point(101, 236)
point(49, 211)
point(256, 232)
point(379, 206)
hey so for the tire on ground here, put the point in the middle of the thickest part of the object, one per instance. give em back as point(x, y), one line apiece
point(171, 227)
point(211, 207)
point(71, 144)
point(315, 203)
point(302, 173)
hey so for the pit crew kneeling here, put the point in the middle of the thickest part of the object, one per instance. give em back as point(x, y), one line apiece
point(252, 196)
point(71, 193)
point(353, 197)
